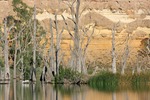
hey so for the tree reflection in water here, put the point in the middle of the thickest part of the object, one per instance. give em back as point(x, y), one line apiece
point(114, 96)
point(18, 91)
point(15, 89)
point(33, 91)
point(7, 91)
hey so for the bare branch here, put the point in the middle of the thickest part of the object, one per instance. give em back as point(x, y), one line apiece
point(67, 27)
point(82, 11)
point(10, 28)
point(89, 40)
point(71, 20)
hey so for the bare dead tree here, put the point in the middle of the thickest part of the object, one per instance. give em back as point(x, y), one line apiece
point(84, 50)
point(15, 57)
point(55, 47)
point(58, 42)
point(6, 49)
point(125, 55)
point(52, 54)
point(7, 70)
point(78, 51)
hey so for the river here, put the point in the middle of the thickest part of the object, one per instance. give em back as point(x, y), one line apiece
point(18, 91)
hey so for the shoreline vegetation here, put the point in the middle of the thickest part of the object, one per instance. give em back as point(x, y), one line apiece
point(103, 81)
point(112, 82)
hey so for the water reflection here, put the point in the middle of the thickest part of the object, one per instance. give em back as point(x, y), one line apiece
point(114, 96)
point(15, 90)
point(6, 91)
point(33, 91)
point(18, 91)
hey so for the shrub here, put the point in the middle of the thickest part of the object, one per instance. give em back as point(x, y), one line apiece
point(66, 75)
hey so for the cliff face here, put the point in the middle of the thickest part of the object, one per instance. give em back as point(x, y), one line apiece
point(133, 17)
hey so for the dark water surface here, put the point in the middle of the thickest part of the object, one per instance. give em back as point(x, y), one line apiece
point(18, 91)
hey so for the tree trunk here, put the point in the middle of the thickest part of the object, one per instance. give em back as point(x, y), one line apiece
point(125, 56)
point(57, 46)
point(58, 42)
point(113, 51)
point(52, 48)
point(6, 51)
point(43, 75)
point(22, 71)
point(33, 74)
point(77, 39)
point(15, 57)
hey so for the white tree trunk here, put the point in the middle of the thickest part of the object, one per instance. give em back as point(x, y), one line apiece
point(22, 71)
point(125, 56)
point(6, 51)
point(113, 51)
point(15, 57)
point(57, 45)
point(77, 41)
point(34, 47)
point(52, 48)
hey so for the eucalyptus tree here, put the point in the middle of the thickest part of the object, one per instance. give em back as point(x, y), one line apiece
point(79, 48)
point(24, 45)
point(125, 55)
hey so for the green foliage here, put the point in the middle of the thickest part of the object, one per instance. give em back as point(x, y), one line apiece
point(16, 1)
point(67, 75)
point(109, 82)
point(28, 62)
point(23, 11)
point(104, 81)
point(24, 29)
point(140, 81)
